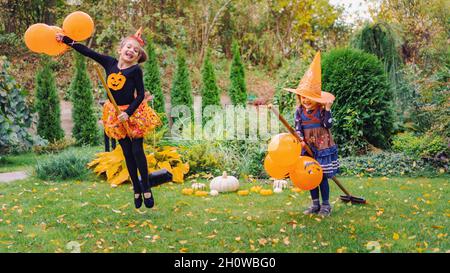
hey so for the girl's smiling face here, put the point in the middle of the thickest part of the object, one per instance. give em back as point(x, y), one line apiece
point(308, 104)
point(130, 51)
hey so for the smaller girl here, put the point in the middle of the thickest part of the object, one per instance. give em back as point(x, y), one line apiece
point(313, 122)
point(125, 80)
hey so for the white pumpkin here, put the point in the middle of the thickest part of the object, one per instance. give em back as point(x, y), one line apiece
point(224, 183)
point(198, 186)
point(213, 193)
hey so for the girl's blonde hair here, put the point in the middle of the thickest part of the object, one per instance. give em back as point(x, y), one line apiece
point(142, 54)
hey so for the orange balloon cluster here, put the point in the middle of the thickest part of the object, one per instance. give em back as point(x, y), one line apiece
point(283, 159)
point(41, 38)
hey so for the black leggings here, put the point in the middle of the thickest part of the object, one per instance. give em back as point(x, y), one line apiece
point(133, 150)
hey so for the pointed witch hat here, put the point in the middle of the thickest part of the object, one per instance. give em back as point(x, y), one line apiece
point(138, 36)
point(311, 84)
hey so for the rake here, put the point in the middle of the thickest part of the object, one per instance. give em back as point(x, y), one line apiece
point(345, 198)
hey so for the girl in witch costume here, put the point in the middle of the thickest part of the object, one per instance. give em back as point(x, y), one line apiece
point(124, 78)
point(313, 122)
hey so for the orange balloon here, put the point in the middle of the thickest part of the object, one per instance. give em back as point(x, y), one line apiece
point(37, 37)
point(284, 149)
point(78, 25)
point(306, 174)
point(54, 47)
point(274, 170)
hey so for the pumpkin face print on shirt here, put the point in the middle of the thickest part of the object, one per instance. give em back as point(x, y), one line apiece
point(116, 81)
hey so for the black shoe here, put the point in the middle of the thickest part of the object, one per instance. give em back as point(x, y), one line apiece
point(138, 201)
point(149, 202)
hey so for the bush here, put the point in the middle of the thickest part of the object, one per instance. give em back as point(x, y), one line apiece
point(424, 146)
point(54, 147)
point(47, 104)
point(85, 123)
point(386, 164)
point(360, 85)
point(15, 114)
point(66, 165)
point(238, 89)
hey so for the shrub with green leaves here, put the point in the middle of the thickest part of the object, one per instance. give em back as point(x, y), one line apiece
point(15, 114)
point(85, 130)
point(425, 146)
point(386, 164)
point(362, 111)
point(152, 81)
point(238, 89)
point(70, 164)
point(47, 104)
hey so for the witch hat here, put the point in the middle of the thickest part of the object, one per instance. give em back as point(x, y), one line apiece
point(311, 84)
point(138, 37)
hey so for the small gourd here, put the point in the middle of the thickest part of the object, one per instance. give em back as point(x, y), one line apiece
point(295, 189)
point(255, 188)
point(281, 184)
point(198, 186)
point(201, 193)
point(243, 192)
point(224, 183)
point(187, 191)
point(277, 190)
point(213, 193)
point(266, 192)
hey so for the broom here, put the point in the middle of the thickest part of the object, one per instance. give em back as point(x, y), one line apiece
point(345, 198)
point(111, 98)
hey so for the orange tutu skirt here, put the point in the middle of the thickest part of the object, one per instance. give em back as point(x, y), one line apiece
point(143, 120)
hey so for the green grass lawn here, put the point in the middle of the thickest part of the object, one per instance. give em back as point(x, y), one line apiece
point(403, 215)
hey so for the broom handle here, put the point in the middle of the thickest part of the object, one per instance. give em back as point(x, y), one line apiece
point(111, 98)
point(308, 150)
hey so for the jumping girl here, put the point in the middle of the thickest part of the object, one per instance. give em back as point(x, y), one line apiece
point(313, 122)
point(124, 78)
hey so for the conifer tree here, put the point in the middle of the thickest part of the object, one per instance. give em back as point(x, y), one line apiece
point(47, 104)
point(181, 92)
point(210, 92)
point(152, 79)
point(238, 90)
point(85, 129)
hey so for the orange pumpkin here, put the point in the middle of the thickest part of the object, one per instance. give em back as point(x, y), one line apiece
point(243, 192)
point(116, 81)
point(266, 192)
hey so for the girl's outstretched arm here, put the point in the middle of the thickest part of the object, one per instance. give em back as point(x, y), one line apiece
point(104, 60)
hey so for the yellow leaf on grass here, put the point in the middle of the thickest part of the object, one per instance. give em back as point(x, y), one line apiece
point(396, 236)
point(120, 178)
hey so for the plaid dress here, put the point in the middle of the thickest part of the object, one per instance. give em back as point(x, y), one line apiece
point(314, 126)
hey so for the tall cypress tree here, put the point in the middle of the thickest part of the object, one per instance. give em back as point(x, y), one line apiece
point(210, 92)
point(47, 104)
point(181, 93)
point(85, 123)
point(152, 79)
point(238, 90)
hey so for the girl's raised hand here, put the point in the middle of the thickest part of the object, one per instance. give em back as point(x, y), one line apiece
point(59, 37)
point(328, 106)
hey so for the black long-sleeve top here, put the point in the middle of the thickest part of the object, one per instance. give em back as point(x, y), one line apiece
point(121, 82)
